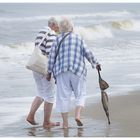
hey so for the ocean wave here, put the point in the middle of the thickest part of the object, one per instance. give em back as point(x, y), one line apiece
point(37, 18)
point(130, 24)
point(16, 55)
point(94, 32)
point(123, 24)
point(17, 47)
point(14, 51)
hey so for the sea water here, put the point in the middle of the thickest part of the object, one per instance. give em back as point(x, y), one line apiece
point(111, 31)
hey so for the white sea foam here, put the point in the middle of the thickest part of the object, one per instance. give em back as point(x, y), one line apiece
point(14, 50)
point(136, 25)
point(93, 33)
point(17, 55)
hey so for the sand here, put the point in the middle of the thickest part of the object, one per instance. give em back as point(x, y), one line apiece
point(124, 116)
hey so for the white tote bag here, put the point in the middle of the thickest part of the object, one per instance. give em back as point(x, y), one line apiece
point(38, 62)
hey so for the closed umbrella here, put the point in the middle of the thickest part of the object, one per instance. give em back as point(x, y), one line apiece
point(104, 97)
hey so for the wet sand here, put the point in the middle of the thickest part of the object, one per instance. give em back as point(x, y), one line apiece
point(124, 116)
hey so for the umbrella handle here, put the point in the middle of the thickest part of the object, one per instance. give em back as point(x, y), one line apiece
point(99, 74)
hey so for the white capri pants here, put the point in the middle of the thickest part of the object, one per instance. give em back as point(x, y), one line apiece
point(67, 84)
point(45, 88)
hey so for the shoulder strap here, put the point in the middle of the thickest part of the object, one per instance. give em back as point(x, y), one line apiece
point(58, 51)
point(45, 36)
point(60, 45)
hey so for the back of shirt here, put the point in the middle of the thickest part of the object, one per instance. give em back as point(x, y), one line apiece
point(46, 44)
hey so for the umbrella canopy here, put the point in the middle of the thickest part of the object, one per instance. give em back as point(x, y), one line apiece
point(104, 97)
point(102, 83)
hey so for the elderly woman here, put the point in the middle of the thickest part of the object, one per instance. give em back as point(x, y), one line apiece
point(45, 88)
point(69, 69)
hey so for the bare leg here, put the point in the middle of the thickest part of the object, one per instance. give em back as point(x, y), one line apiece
point(47, 115)
point(78, 115)
point(35, 105)
point(65, 119)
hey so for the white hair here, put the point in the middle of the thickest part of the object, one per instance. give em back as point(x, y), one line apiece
point(52, 21)
point(65, 25)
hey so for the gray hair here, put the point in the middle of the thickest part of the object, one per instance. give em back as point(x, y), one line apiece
point(52, 21)
point(65, 25)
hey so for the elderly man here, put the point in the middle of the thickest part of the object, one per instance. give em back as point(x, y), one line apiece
point(69, 69)
point(45, 88)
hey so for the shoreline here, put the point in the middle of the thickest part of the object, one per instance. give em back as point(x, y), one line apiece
point(124, 116)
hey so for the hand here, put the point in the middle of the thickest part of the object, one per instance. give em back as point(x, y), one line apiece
point(98, 67)
point(48, 77)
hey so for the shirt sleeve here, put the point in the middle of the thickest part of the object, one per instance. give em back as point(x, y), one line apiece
point(51, 57)
point(89, 55)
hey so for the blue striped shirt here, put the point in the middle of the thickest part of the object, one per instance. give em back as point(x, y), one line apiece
point(71, 56)
point(49, 35)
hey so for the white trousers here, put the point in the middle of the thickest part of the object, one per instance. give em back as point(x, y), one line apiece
point(67, 84)
point(45, 88)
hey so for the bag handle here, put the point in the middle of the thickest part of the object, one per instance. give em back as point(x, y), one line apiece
point(43, 38)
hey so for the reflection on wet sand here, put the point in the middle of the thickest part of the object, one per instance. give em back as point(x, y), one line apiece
point(39, 131)
point(80, 132)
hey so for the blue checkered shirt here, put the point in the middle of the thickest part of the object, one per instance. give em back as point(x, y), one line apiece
point(71, 56)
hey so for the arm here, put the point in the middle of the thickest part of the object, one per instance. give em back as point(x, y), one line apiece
point(90, 57)
point(51, 60)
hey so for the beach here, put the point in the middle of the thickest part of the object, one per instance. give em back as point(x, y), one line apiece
point(124, 116)
point(111, 31)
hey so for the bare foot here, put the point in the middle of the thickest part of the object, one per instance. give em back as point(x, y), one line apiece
point(31, 121)
point(51, 124)
point(79, 123)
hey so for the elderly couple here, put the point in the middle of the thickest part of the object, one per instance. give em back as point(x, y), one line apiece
point(67, 64)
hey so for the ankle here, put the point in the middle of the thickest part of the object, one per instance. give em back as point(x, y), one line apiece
point(65, 125)
point(46, 122)
point(30, 117)
point(77, 118)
